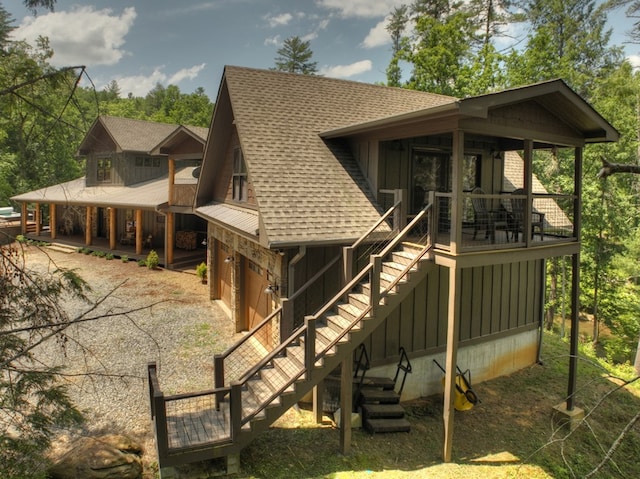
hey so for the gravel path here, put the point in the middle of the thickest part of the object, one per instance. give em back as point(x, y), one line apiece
point(179, 328)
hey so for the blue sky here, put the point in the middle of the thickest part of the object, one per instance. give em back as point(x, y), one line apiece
point(140, 43)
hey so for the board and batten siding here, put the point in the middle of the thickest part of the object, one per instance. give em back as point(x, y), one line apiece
point(495, 300)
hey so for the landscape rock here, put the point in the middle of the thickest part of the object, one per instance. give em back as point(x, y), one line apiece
point(111, 456)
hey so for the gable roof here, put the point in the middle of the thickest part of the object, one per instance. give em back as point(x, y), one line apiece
point(134, 135)
point(308, 190)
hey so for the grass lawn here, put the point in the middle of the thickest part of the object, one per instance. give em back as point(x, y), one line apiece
point(510, 434)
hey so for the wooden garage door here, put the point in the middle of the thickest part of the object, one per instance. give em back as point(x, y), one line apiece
point(257, 304)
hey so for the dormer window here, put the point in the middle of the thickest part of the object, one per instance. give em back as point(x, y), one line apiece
point(239, 176)
point(104, 170)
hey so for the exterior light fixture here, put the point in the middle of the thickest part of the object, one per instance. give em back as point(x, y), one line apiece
point(204, 242)
point(272, 288)
point(228, 259)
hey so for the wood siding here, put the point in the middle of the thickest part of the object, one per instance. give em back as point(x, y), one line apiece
point(495, 299)
point(126, 169)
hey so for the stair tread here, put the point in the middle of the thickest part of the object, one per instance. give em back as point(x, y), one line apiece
point(387, 425)
point(381, 382)
point(379, 395)
point(382, 411)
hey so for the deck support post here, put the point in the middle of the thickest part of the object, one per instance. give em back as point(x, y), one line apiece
point(24, 217)
point(38, 219)
point(138, 231)
point(170, 232)
point(346, 404)
point(451, 361)
point(318, 400)
point(310, 347)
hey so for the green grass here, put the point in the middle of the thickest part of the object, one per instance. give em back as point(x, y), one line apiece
point(510, 434)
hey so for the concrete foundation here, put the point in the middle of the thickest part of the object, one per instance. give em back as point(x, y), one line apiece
point(563, 418)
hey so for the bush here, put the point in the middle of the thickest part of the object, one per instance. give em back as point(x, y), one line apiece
point(109, 256)
point(21, 239)
point(152, 259)
point(201, 271)
point(142, 262)
point(86, 251)
point(124, 258)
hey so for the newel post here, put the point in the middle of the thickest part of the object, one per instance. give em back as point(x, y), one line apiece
point(286, 319)
point(375, 281)
point(218, 378)
point(158, 413)
point(235, 410)
point(309, 345)
point(347, 264)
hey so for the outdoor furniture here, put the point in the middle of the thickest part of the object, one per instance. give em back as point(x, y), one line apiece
point(518, 208)
point(487, 219)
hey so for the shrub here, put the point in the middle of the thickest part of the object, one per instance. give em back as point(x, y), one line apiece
point(124, 258)
point(86, 251)
point(201, 271)
point(109, 256)
point(142, 262)
point(152, 259)
point(21, 239)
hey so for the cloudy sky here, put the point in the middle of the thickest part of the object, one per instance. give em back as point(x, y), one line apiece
point(187, 42)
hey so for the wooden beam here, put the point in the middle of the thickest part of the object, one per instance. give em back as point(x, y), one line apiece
point(170, 232)
point(451, 361)
point(24, 216)
point(52, 221)
point(88, 226)
point(456, 198)
point(346, 404)
point(172, 175)
point(318, 400)
point(138, 231)
point(113, 227)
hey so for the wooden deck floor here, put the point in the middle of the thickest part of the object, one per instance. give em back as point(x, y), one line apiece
point(195, 421)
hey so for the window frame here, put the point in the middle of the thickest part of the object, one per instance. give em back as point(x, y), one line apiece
point(239, 183)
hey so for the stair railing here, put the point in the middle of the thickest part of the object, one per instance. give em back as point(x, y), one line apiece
point(403, 365)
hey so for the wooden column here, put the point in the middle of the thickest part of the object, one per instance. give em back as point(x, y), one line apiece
point(113, 228)
point(170, 235)
point(138, 231)
point(456, 197)
point(38, 219)
point(318, 400)
point(24, 216)
point(346, 400)
point(52, 221)
point(172, 179)
point(88, 226)
point(451, 361)
point(527, 185)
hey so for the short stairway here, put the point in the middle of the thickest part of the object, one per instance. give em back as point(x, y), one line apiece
point(381, 408)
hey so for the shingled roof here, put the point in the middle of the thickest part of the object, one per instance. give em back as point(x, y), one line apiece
point(309, 190)
point(136, 135)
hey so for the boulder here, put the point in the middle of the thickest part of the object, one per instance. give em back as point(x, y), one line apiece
point(103, 457)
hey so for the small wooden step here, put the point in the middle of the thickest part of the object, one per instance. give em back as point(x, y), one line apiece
point(382, 411)
point(387, 425)
point(378, 382)
point(382, 396)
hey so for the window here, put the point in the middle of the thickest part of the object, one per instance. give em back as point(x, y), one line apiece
point(239, 176)
point(104, 170)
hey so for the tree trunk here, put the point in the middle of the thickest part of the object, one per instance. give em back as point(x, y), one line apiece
point(611, 168)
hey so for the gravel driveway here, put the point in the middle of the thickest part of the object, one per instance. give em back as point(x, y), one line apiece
point(178, 327)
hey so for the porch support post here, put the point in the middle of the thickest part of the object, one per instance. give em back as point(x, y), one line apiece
point(169, 228)
point(451, 360)
point(527, 185)
point(346, 404)
point(456, 197)
point(113, 227)
point(52, 221)
point(24, 216)
point(575, 283)
point(88, 226)
point(138, 231)
point(172, 174)
point(38, 219)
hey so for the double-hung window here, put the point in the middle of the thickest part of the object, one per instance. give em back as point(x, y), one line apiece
point(104, 170)
point(239, 176)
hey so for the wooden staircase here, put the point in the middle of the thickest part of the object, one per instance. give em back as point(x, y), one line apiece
point(249, 397)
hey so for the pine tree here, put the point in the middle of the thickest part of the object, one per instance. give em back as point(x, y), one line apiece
point(295, 57)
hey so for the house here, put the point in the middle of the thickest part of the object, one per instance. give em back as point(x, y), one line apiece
point(342, 213)
point(137, 193)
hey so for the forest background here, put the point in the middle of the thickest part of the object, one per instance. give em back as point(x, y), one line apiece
point(439, 46)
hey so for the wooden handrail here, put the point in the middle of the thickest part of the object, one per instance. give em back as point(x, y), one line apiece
point(375, 226)
point(315, 277)
point(247, 336)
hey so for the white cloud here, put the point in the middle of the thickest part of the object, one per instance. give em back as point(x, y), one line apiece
point(272, 41)
point(322, 25)
point(279, 20)
point(346, 71)
point(83, 36)
point(186, 73)
point(140, 85)
point(635, 61)
point(361, 8)
point(378, 35)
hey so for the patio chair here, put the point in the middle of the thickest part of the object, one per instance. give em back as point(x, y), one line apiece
point(518, 212)
point(485, 218)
